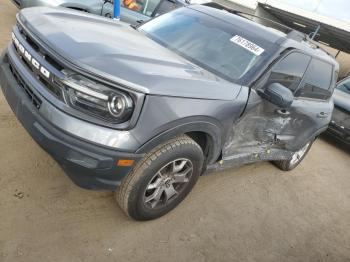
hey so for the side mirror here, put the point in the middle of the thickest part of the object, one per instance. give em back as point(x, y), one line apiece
point(278, 95)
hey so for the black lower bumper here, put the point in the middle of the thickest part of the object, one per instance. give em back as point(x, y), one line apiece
point(88, 165)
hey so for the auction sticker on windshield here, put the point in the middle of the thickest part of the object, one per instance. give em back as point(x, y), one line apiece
point(255, 49)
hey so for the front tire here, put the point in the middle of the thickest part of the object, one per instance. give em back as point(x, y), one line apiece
point(295, 159)
point(161, 180)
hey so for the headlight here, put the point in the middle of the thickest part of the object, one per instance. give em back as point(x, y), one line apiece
point(96, 99)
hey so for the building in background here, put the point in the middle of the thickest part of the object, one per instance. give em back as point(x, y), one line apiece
point(327, 21)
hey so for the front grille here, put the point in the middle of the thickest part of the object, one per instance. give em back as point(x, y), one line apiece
point(36, 101)
point(36, 46)
point(50, 86)
point(49, 83)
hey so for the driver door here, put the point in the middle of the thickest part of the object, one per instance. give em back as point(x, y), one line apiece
point(266, 131)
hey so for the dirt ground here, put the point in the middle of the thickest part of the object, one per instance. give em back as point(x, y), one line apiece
point(254, 213)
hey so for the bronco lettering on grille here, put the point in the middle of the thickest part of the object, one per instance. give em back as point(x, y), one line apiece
point(30, 59)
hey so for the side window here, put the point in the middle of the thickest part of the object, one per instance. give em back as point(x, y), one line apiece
point(317, 81)
point(165, 7)
point(290, 70)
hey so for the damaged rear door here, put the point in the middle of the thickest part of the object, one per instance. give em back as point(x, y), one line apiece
point(268, 132)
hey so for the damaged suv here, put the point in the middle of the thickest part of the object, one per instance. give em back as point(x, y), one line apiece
point(145, 111)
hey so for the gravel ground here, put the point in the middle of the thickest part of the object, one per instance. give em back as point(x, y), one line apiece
point(254, 213)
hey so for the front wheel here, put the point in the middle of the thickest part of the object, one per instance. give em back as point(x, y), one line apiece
point(295, 159)
point(161, 180)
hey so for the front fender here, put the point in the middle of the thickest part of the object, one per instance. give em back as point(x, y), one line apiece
point(164, 117)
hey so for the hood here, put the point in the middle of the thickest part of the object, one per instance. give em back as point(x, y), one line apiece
point(341, 99)
point(120, 53)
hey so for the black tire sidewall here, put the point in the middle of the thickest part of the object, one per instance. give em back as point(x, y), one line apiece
point(136, 207)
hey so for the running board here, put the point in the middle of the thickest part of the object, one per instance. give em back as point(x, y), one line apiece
point(241, 159)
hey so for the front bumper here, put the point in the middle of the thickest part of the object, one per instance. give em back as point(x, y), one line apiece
point(89, 165)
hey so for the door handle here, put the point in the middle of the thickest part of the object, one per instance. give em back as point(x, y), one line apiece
point(322, 115)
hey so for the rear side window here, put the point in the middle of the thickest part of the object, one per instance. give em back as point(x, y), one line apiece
point(290, 70)
point(317, 81)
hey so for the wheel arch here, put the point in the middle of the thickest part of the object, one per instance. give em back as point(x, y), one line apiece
point(207, 135)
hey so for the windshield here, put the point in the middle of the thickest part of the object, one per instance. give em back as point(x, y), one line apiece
point(345, 86)
point(211, 43)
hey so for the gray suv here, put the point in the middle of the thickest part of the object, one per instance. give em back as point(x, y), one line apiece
point(145, 111)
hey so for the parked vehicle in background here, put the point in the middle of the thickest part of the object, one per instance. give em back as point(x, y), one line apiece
point(340, 124)
point(146, 110)
point(132, 11)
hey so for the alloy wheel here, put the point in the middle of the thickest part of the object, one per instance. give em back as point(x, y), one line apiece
point(168, 183)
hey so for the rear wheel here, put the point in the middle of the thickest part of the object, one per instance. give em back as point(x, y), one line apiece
point(161, 180)
point(295, 159)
